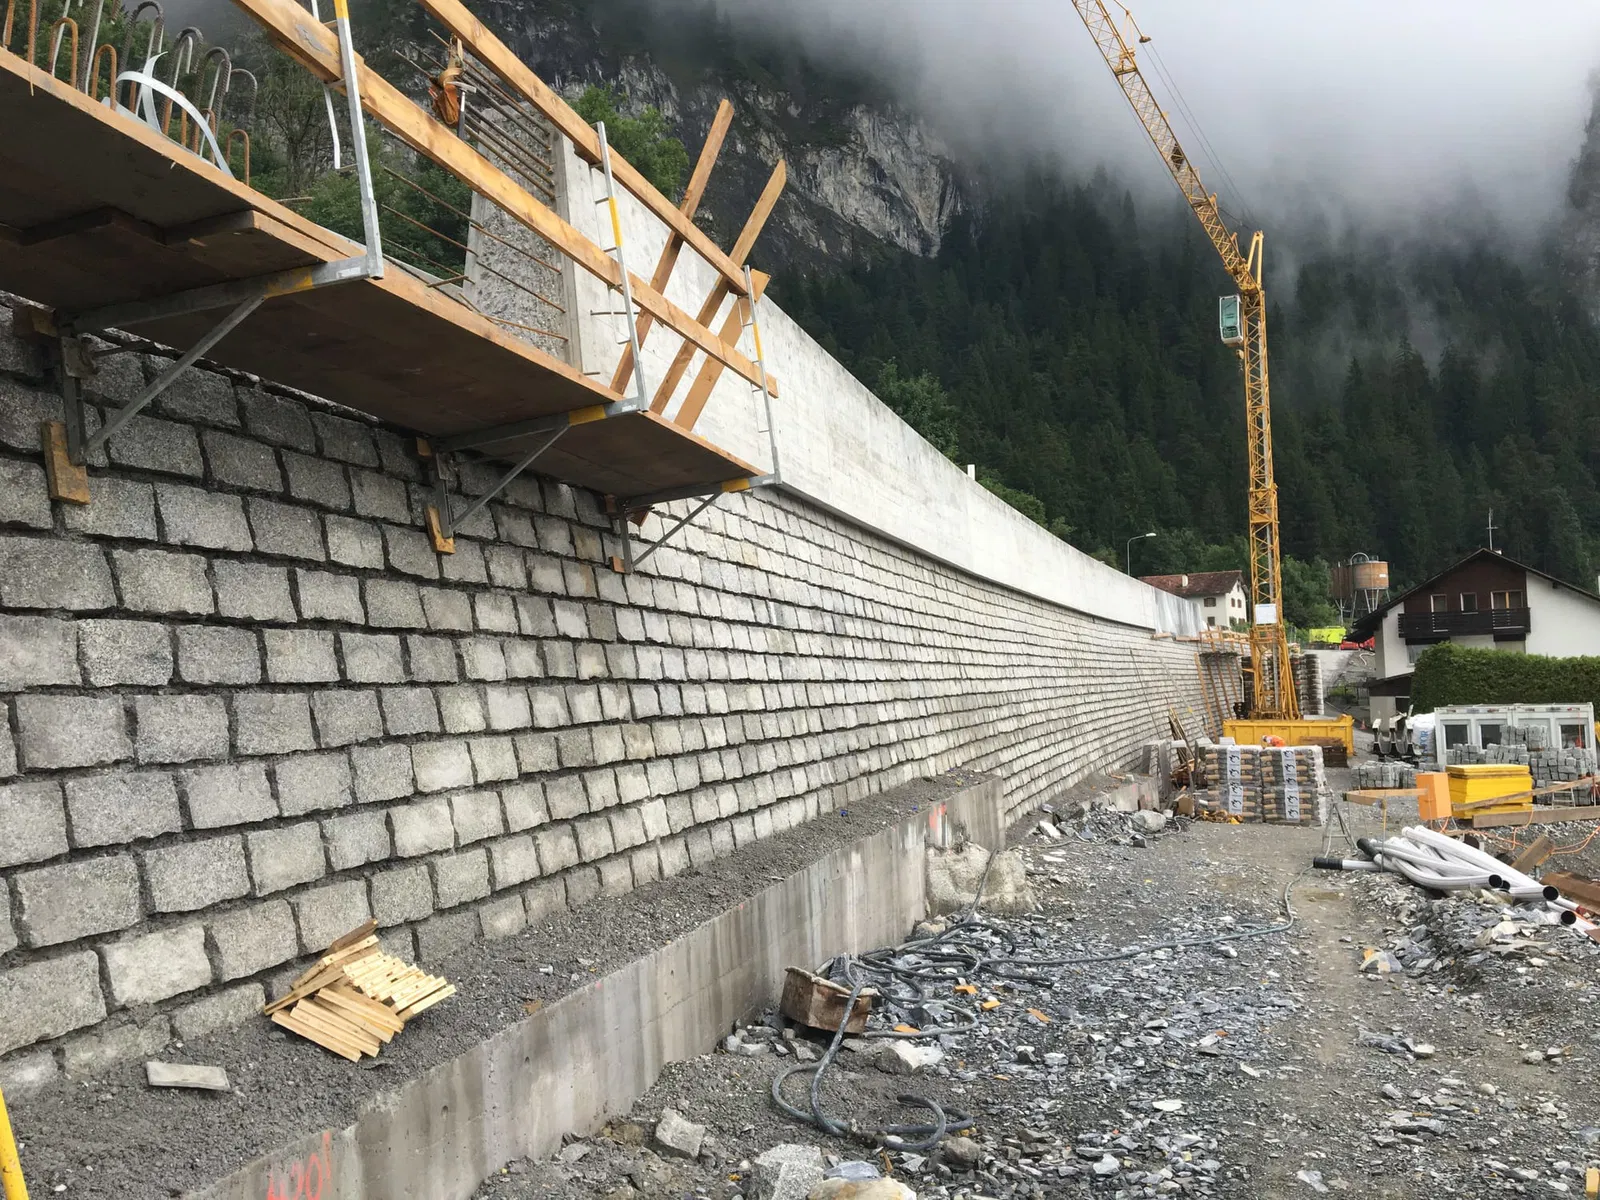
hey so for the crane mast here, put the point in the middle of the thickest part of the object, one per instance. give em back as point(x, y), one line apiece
point(1269, 643)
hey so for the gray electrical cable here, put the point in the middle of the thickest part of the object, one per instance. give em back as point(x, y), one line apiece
point(970, 961)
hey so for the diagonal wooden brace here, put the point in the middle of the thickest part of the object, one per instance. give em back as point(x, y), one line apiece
point(692, 196)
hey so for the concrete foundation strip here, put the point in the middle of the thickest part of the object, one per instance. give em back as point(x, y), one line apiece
point(591, 1054)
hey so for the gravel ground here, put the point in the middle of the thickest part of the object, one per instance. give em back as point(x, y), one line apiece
point(1272, 1068)
point(113, 1136)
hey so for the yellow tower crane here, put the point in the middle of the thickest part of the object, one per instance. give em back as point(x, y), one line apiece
point(1244, 324)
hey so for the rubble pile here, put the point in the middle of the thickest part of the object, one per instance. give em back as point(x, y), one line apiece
point(1107, 1046)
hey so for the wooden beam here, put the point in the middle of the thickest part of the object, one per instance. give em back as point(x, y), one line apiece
point(1533, 855)
point(669, 253)
point(711, 371)
point(494, 53)
point(1581, 888)
point(1536, 816)
point(294, 30)
point(719, 292)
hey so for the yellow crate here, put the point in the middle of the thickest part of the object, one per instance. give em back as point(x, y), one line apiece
point(1488, 781)
point(1294, 733)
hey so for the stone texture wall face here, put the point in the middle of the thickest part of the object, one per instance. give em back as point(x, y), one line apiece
point(247, 706)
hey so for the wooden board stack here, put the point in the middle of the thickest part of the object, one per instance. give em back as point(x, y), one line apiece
point(355, 998)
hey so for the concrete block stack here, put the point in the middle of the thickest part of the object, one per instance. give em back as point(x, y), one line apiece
point(247, 707)
point(1307, 667)
point(1382, 775)
point(1233, 773)
point(1267, 783)
point(1525, 746)
point(1294, 787)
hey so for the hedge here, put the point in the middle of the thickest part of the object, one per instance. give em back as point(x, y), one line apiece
point(1449, 674)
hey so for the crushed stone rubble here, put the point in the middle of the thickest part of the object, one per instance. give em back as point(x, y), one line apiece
point(1334, 1057)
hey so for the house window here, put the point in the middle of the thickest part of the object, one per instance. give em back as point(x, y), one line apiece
point(1211, 601)
point(1469, 601)
point(1505, 600)
point(1457, 733)
point(1439, 603)
point(1211, 622)
point(1574, 737)
point(1414, 650)
point(1491, 733)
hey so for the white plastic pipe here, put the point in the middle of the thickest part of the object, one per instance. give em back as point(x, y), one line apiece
point(1465, 853)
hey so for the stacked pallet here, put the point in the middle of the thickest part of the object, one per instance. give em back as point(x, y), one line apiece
point(1294, 788)
point(355, 998)
point(1267, 783)
point(1233, 772)
point(1481, 789)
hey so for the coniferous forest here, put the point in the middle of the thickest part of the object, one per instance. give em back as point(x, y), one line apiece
point(1065, 341)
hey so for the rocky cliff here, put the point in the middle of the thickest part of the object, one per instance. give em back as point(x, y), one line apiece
point(863, 173)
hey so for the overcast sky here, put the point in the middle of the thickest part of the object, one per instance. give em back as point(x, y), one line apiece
point(1389, 106)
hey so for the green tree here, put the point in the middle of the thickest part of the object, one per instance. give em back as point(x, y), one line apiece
point(643, 140)
point(1306, 591)
point(923, 404)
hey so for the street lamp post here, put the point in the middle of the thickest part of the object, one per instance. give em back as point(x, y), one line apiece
point(1136, 538)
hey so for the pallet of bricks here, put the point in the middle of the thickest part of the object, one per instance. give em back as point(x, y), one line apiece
point(1233, 774)
point(1294, 787)
point(1280, 784)
point(356, 998)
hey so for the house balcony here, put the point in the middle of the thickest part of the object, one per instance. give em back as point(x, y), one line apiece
point(1502, 623)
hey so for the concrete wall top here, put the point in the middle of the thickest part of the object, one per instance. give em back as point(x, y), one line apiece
point(842, 448)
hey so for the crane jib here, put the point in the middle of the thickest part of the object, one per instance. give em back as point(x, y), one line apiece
point(1274, 683)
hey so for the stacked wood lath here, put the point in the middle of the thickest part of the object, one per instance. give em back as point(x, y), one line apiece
point(355, 998)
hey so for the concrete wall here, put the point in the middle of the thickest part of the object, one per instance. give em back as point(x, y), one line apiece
point(1561, 621)
point(590, 1055)
point(840, 447)
point(245, 704)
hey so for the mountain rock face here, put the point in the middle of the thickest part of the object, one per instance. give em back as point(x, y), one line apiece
point(863, 174)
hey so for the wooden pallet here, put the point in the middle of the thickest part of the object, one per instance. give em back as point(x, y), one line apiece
point(356, 998)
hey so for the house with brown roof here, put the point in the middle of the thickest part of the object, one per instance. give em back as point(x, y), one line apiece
point(1220, 594)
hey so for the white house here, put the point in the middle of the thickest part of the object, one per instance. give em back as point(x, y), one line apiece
point(1486, 601)
point(1220, 594)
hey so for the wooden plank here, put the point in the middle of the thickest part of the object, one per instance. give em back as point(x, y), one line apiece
point(1371, 796)
point(309, 983)
point(421, 988)
point(669, 253)
point(429, 1001)
point(186, 1075)
point(67, 480)
point(498, 57)
point(1534, 854)
point(710, 373)
point(719, 292)
point(345, 996)
point(1536, 816)
point(382, 1028)
point(329, 1021)
point(361, 935)
point(312, 1034)
point(296, 32)
point(1581, 888)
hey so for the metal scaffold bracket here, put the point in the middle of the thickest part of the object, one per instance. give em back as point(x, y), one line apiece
point(68, 444)
point(623, 512)
point(443, 518)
